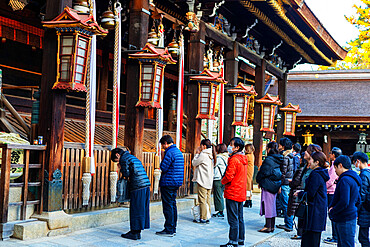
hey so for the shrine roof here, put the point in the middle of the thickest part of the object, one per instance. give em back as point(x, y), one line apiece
point(150, 51)
point(290, 23)
point(330, 94)
point(72, 17)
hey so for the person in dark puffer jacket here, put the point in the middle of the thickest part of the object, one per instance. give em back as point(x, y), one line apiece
point(343, 208)
point(172, 167)
point(269, 180)
point(361, 161)
point(139, 187)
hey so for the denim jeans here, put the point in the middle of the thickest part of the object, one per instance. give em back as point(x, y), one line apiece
point(168, 195)
point(334, 230)
point(284, 197)
point(346, 233)
point(363, 236)
point(235, 220)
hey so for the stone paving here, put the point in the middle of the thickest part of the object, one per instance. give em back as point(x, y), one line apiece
point(188, 234)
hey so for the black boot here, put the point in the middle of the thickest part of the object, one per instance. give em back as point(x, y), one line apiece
point(133, 235)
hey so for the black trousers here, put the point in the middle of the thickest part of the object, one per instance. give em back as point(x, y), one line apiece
point(363, 236)
point(311, 239)
point(236, 222)
point(139, 209)
point(168, 195)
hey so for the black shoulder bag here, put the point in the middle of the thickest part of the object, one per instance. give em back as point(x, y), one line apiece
point(302, 211)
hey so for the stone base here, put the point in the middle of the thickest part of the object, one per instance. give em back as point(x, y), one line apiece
point(30, 230)
point(60, 231)
point(55, 220)
point(6, 230)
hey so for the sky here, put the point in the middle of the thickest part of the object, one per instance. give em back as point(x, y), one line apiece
point(331, 15)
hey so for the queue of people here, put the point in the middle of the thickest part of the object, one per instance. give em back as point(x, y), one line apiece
point(305, 185)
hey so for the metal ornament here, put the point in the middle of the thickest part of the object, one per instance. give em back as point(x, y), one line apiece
point(153, 37)
point(173, 47)
point(81, 6)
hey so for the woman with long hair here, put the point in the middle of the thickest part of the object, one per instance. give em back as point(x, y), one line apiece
point(315, 191)
point(249, 150)
point(220, 164)
point(298, 183)
point(269, 180)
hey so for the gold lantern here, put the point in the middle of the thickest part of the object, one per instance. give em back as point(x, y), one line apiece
point(74, 31)
point(242, 96)
point(268, 107)
point(290, 112)
point(307, 138)
point(208, 82)
point(152, 62)
point(108, 20)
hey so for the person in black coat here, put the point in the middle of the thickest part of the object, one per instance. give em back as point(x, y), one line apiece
point(269, 180)
point(139, 188)
point(361, 160)
point(315, 190)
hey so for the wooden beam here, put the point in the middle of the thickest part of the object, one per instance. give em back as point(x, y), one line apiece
point(134, 117)
point(275, 70)
point(282, 89)
point(217, 36)
point(231, 75)
point(52, 105)
point(249, 55)
point(257, 134)
point(339, 120)
point(103, 82)
point(195, 58)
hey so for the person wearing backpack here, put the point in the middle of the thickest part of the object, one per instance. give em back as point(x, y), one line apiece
point(219, 171)
point(360, 160)
point(285, 148)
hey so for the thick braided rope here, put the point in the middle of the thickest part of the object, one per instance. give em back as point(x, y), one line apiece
point(87, 117)
point(115, 84)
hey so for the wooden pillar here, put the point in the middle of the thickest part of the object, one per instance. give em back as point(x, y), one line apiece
point(134, 117)
point(282, 94)
point(52, 106)
point(326, 147)
point(257, 134)
point(103, 82)
point(231, 75)
point(195, 58)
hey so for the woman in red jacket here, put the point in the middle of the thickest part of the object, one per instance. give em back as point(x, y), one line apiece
point(235, 181)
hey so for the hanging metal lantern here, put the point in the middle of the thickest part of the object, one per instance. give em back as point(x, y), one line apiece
point(242, 96)
point(153, 37)
point(74, 31)
point(152, 62)
point(307, 138)
point(108, 21)
point(290, 112)
point(268, 108)
point(174, 48)
point(208, 82)
point(81, 6)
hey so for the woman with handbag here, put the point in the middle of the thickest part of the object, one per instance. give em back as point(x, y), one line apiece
point(269, 180)
point(315, 192)
point(139, 189)
point(219, 171)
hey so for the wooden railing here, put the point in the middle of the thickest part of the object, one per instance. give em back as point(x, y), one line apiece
point(99, 189)
point(33, 176)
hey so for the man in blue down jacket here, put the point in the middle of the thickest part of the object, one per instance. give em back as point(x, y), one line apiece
point(360, 160)
point(139, 188)
point(343, 208)
point(172, 167)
